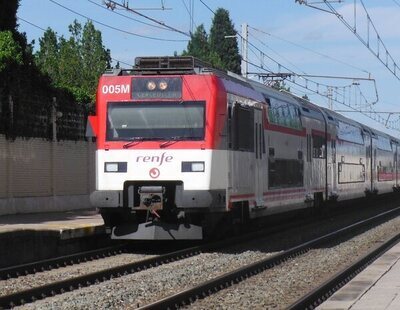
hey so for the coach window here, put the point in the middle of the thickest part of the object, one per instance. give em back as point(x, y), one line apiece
point(384, 144)
point(318, 146)
point(283, 114)
point(243, 128)
point(350, 133)
point(283, 173)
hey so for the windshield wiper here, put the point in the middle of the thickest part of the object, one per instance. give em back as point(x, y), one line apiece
point(136, 140)
point(170, 141)
point(133, 141)
point(175, 139)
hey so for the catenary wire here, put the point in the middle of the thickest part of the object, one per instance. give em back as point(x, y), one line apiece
point(128, 17)
point(395, 1)
point(396, 69)
point(44, 30)
point(126, 6)
point(207, 7)
point(114, 28)
point(310, 50)
point(190, 15)
point(276, 53)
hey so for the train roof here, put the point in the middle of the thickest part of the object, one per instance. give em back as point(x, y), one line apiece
point(183, 65)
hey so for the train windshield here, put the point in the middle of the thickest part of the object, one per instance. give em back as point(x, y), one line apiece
point(180, 120)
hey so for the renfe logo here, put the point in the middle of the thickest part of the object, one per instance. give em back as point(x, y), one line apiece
point(155, 159)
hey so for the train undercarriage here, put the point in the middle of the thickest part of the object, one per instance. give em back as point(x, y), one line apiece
point(147, 210)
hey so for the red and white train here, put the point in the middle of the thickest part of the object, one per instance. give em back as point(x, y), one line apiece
point(181, 146)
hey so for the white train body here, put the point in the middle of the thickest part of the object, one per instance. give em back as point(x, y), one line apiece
point(181, 148)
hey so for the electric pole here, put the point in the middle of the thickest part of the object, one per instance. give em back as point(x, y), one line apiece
point(244, 50)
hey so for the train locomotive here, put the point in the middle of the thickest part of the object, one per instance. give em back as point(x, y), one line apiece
point(182, 147)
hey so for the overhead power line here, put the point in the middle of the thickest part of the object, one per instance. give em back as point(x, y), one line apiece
point(44, 30)
point(339, 94)
point(276, 53)
point(370, 37)
point(310, 50)
point(211, 10)
point(114, 28)
point(112, 4)
point(350, 96)
point(128, 17)
point(190, 11)
point(397, 2)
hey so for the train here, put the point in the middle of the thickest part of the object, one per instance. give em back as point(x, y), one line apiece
point(184, 149)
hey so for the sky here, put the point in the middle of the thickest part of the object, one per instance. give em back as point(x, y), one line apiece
point(283, 36)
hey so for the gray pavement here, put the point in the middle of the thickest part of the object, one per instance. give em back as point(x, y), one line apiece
point(377, 287)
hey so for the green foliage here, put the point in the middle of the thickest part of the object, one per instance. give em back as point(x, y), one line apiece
point(26, 93)
point(10, 51)
point(47, 56)
point(95, 58)
point(74, 64)
point(225, 47)
point(198, 45)
point(215, 49)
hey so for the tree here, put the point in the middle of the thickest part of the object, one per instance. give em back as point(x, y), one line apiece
point(75, 63)
point(225, 47)
point(47, 57)
point(10, 51)
point(70, 69)
point(198, 45)
point(95, 58)
point(8, 18)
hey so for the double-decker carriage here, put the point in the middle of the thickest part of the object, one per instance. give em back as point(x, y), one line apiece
point(182, 148)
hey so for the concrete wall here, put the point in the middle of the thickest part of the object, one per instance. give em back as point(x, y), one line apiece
point(42, 176)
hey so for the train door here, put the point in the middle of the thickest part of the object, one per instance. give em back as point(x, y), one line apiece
point(259, 149)
point(308, 169)
point(397, 165)
point(374, 167)
point(332, 176)
point(368, 161)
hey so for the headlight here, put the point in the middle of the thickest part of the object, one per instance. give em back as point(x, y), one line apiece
point(196, 166)
point(115, 167)
point(151, 85)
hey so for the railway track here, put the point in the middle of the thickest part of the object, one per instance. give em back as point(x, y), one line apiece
point(58, 287)
point(188, 296)
point(329, 287)
point(61, 261)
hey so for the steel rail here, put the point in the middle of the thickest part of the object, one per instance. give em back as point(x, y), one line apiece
point(33, 294)
point(204, 289)
point(40, 292)
point(317, 296)
point(61, 261)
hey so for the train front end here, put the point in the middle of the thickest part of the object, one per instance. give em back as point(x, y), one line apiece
point(158, 172)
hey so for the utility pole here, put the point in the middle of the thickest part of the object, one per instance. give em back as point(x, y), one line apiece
point(244, 50)
point(329, 95)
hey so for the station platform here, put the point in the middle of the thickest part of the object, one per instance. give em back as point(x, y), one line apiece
point(377, 287)
point(30, 237)
point(68, 224)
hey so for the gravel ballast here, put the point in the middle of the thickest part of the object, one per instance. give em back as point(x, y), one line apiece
point(278, 288)
point(275, 288)
point(13, 285)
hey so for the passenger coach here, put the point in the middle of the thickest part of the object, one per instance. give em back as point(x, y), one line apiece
point(182, 148)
